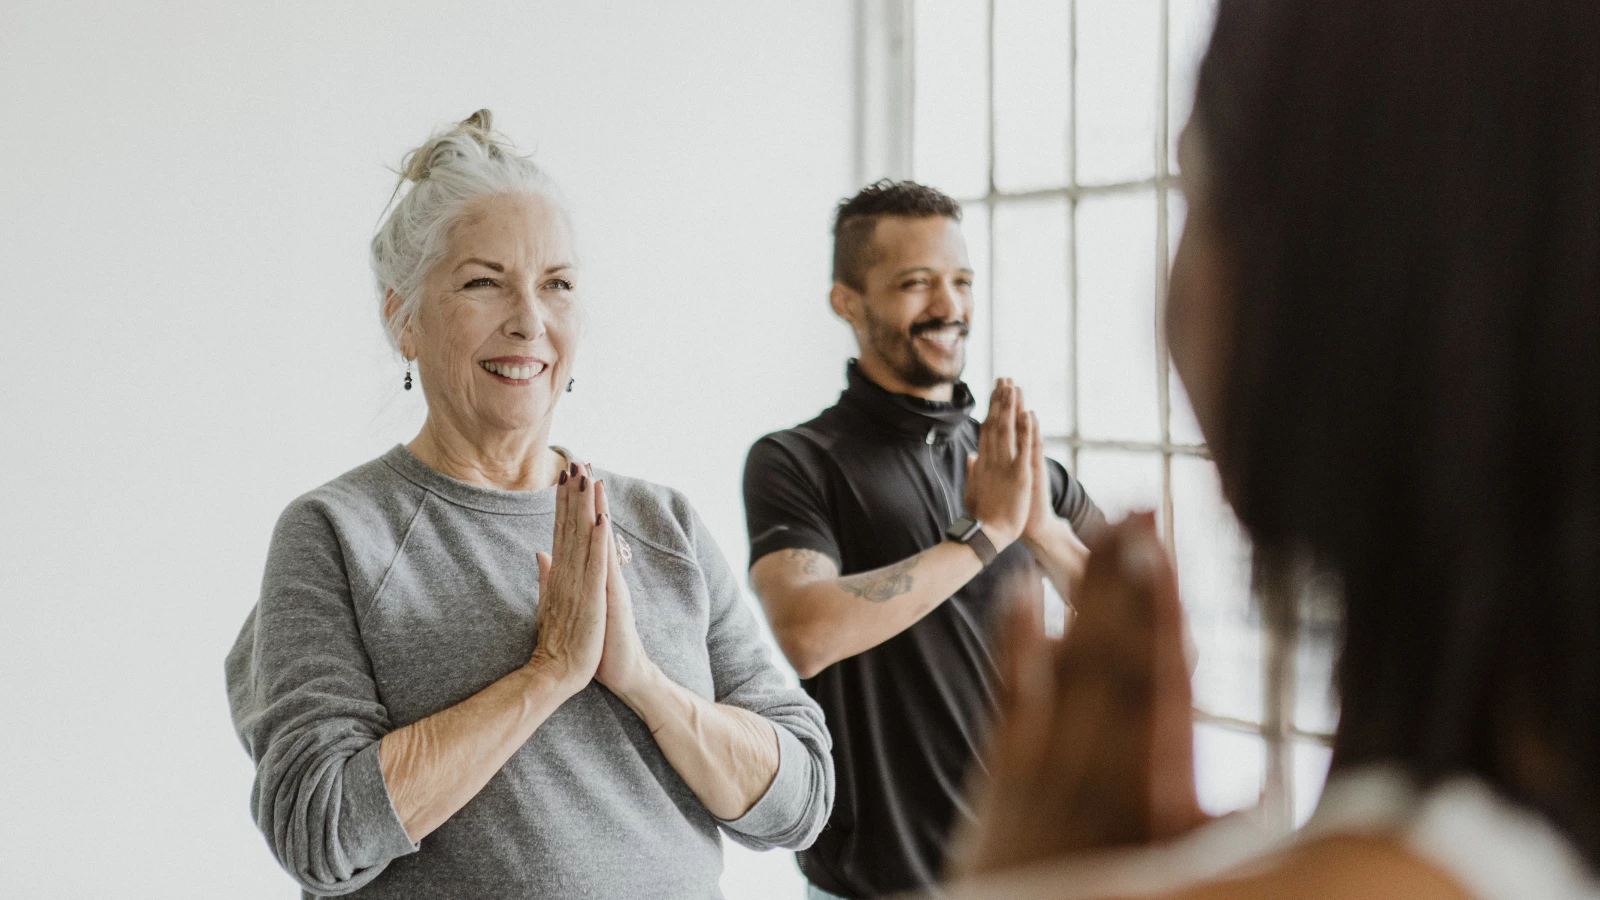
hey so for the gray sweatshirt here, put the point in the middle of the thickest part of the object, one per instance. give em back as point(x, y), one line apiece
point(394, 592)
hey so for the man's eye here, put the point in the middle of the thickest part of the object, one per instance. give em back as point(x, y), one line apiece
point(914, 283)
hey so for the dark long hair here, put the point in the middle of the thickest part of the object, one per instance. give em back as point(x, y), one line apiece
point(1408, 192)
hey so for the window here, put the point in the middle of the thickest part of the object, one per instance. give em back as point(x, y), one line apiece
point(1055, 123)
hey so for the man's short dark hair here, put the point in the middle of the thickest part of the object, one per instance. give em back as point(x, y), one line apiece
point(857, 217)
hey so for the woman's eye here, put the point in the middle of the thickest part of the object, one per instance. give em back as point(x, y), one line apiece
point(480, 282)
point(558, 284)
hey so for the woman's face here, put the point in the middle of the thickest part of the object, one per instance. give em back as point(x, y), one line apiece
point(1198, 316)
point(496, 333)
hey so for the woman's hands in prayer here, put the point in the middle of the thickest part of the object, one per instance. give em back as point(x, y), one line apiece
point(623, 662)
point(585, 617)
point(1093, 747)
point(571, 619)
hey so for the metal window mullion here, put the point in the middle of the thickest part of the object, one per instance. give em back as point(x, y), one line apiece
point(1075, 394)
point(908, 71)
point(990, 203)
point(1163, 397)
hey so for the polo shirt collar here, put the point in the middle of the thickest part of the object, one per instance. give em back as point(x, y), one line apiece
point(903, 413)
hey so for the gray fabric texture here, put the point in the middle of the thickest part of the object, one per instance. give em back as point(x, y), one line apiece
point(394, 592)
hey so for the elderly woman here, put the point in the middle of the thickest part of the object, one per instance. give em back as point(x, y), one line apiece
point(432, 713)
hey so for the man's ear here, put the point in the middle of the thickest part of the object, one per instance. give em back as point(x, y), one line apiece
point(846, 302)
point(391, 311)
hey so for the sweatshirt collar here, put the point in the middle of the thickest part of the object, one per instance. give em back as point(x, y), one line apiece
point(472, 496)
point(903, 413)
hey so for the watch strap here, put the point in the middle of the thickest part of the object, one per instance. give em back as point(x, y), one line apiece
point(981, 545)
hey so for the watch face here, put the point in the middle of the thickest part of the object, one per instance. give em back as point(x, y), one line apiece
point(962, 529)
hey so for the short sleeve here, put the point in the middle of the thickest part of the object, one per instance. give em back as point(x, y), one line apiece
point(1072, 502)
point(784, 504)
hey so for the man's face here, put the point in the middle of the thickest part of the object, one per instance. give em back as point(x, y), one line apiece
point(916, 308)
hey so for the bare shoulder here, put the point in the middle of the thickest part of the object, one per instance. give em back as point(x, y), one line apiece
point(1337, 867)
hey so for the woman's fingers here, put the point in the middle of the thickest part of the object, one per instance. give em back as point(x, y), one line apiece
point(580, 513)
point(602, 502)
point(544, 572)
point(567, 514)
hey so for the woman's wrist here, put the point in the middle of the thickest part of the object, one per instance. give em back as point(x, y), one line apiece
point(546, 674)
point(643, 688)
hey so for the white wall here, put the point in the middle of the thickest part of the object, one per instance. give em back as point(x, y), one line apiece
point(189, 340)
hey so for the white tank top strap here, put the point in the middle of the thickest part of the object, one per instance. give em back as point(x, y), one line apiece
point(1493, 848)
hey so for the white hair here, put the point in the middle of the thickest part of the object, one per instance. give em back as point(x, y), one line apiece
point(453, 168)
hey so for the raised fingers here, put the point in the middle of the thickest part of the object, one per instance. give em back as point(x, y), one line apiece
point(599, 561)
point(572, 524)
point(1006, 432)
point(1038, 442)
point(560, 539)
point(1025, 431)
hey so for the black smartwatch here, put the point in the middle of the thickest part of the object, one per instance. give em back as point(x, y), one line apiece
point(969, 531)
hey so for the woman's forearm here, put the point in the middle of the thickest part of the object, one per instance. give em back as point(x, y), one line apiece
point(433, 766)
point(728, 756)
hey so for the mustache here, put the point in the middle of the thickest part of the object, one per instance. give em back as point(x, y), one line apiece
point(936, 324)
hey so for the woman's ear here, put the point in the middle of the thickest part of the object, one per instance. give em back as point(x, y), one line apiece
point(392, 305)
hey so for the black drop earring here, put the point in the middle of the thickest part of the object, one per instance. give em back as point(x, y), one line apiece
point(408, 376)
point(570, 383)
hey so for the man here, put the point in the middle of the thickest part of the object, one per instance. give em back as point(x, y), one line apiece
point(882, 550)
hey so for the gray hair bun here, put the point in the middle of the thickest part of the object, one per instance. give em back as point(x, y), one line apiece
point(479, 127)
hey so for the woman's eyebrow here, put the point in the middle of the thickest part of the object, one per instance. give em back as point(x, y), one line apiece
point(494, 266)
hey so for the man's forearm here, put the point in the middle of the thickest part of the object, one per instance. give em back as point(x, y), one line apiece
point(839, 617)
point(1061, 555)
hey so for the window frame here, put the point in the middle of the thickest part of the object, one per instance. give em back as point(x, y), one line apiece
point(885, 118)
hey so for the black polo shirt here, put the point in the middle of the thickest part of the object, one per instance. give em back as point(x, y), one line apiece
point(875, 479)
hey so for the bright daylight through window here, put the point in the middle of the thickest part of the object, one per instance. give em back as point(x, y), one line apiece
point(1056, 122)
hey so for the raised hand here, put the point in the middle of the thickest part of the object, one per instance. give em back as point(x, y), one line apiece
point(623, 663)
point(1093, 747)
point(1000, 477)
point(571, 618)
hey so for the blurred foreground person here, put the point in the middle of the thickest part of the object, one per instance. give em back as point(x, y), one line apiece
point(1386, 309)
point(451, 686)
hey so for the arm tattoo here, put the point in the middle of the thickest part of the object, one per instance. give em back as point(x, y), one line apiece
point(812, 563)
point(886, 583)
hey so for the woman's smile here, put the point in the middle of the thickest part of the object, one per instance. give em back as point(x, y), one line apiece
point(516, 370)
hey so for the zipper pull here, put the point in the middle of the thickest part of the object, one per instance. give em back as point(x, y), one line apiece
point(932, 432)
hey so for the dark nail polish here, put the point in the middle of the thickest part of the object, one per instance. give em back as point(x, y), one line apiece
point(583, 483)
point(563, 478)
point(599, 518)
point(574, 468)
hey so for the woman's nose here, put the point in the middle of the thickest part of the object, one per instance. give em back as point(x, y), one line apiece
point(525, 322)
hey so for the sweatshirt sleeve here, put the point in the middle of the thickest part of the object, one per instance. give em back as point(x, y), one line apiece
point(307, 710)
point(796, 805)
